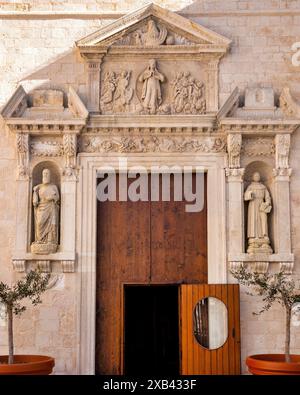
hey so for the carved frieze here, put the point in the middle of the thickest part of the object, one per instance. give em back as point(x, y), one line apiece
point(44, 148)
point(143, 144)
point(259, 146)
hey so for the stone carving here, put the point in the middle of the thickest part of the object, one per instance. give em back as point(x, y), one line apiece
point(282, 172)
point(151, 94)
point(235, 175)
point(149, 35)
point(46, 216)
point(23, 153)
point(259, 207)
point(46, 148)
point(262, 146)
point(282, 150)
point(70, 149)
point(154, 144)
point(188, 94)
point(287, 267)
point(68, 266)
point(19, 265)
point(116, 94)
point(260, 267)
point(234, 143)
point(44, 266)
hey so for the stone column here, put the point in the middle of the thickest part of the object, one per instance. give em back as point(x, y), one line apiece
point(235, 190)
point(212, 93)
point(94, 81)
point(281, 201)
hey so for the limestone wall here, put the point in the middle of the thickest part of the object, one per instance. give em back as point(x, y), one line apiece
point(40, 47)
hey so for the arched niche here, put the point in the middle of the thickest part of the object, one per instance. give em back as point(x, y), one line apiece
point(36, 179)
point(267, 179)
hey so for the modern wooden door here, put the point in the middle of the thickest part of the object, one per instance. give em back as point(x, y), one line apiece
point(196, 359)
point(142, 242)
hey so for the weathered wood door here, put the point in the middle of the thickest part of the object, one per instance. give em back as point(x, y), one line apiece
point(143, 242)
point(196, 359)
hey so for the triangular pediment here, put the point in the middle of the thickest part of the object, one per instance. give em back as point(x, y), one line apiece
point(152, 26)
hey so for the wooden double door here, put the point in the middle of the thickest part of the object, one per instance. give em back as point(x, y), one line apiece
point(144, 243)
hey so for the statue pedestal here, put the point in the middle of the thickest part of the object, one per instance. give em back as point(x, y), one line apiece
point(259, 246)
point(43, 248)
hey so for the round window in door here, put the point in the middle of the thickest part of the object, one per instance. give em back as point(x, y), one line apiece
point(210, 320)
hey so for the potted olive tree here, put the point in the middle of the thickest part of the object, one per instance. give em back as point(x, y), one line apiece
point(273, 288)
point(30, 287)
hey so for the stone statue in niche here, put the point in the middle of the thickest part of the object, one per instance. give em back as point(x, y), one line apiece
point(151, 94)
point(188, 94)
point(45, 201)
point(116, 94)
point(258, 209)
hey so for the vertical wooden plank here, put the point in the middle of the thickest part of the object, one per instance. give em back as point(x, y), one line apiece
point(184, 337)
point(236, 291)
point(225, 353)
point(231, 341)
point(220, 350)
point(214, 368)
point(207, 353)
point(190, 334)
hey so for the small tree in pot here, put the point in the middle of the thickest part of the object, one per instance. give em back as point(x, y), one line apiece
point(30, 287)
point(273, 288)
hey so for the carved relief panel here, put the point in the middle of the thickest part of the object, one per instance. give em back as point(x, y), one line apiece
point(152, 87)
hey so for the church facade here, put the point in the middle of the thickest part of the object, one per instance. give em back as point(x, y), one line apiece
point(200, 86)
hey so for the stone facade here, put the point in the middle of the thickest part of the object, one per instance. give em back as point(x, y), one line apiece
point(239, 131)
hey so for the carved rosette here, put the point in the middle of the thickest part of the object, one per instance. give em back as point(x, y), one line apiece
point(22, 142)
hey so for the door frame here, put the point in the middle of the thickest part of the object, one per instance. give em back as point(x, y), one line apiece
point(86, 209)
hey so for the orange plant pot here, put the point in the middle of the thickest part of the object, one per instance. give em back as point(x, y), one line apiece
point(273, 364)
point(27, 365)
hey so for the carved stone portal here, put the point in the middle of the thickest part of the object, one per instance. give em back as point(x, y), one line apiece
point(46, 216)
point(259, 207)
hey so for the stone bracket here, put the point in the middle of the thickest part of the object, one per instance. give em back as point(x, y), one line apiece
point(44, 265)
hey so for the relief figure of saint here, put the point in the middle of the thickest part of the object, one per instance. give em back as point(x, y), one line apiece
point(151, 94)
point(45, 201)
point(258, 209)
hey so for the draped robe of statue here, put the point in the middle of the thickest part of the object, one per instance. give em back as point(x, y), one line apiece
point(259, 206)
point(151, 94)
point(46, 215)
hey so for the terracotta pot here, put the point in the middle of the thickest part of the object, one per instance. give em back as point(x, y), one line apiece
point(273, 364)
point(27, 365)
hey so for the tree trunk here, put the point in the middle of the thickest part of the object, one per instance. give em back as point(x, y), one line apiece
point(287, 335)
point(10, 335)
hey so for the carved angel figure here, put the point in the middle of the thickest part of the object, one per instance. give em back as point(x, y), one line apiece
point(109, 87)
point(151, 94)
point(123, 94)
